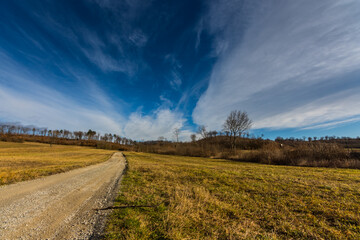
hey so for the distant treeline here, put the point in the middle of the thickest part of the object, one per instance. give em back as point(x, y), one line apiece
point(328, 151)
point(20, 133)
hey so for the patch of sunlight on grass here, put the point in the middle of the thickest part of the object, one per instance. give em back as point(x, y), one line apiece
point(24, 161)
point(201, 198)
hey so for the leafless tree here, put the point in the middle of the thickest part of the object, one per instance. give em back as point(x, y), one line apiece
point(18, 129)
point(193, 137)
point(212, 133)
point(202, 131)
point(66, 133)
point(118, 139)
point(97, 136)
point(236, 124)
point(90, 134)
point(176, 133)
point(3, 128)
point(56, 133)
point(26, 130)
point(78, 135)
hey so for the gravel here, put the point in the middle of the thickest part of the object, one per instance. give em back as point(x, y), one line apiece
point(62, 206)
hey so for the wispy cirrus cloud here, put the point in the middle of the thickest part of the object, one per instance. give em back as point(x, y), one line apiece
point(63, 72)
point(338, 108)
point(175, 78)
point(46, 107)
point(28, 100)
point(113, 49)
point(333, 124)
point(54, 112)
point(290, 64)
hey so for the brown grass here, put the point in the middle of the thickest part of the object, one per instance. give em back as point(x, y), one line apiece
point(305, 154)
point(202, 198)
point(297, 153)
point(24, 161)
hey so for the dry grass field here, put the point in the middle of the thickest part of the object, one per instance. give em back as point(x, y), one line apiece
point(24, 161)
point(201, 198)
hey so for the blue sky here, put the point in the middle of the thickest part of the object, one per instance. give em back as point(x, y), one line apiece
point(142, 68)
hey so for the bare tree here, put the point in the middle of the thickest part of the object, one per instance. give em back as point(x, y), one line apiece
point(78, 135)
point(105, 137)
point(202, 131)
point(193, 137)
point(90, 134)
point(56, 133)
point(66, 133)
point(236, 124)
point(161, 139)
point(26, 130)
point(176, 133)
point(2, 128)
point(212, 133)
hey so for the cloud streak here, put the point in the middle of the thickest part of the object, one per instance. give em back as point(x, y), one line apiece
point(62, 72)
point(273, 61)
point(26, 99)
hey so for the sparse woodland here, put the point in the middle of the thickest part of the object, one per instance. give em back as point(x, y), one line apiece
point(321, 152)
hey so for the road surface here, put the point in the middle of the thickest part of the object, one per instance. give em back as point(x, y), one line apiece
point(62, 206)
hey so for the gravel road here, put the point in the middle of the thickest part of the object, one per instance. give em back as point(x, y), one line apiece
point(61, 206)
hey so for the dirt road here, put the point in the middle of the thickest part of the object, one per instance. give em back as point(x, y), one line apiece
point(62, 206)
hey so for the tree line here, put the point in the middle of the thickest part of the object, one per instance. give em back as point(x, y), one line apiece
point(18, 129)
point(234, 142)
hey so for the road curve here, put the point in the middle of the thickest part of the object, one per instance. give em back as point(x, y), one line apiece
point(61, 206)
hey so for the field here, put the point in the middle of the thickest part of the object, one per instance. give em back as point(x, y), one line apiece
point(173, 197)
point(24, 161)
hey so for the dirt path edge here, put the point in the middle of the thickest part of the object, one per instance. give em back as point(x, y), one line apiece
point(102, 218)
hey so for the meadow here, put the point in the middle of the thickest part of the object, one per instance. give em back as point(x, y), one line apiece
point(177, 197)
point(25, 161)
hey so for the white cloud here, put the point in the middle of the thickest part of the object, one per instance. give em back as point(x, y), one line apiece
point(44, 106)
point(48, 112)
point(333, 124)
point(25, 98)
point(175, 78)
point(333, 108)
point(107, 51)
point(96, 53)
point(175, 81)
point(279, 60)
point(199, 29)
point(150, 127)
point(138, 38)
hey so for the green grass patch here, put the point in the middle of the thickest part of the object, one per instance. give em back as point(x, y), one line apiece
point(201, 198)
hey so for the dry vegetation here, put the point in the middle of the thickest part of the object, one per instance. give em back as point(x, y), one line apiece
point(24, 161)
point(316, 152)
point(294, 153)
point(202, 198)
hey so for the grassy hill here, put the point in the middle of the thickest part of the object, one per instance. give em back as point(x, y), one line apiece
point(24, 161)
point(202, 198)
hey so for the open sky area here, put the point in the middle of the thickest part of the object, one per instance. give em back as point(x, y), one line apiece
point(140, 68)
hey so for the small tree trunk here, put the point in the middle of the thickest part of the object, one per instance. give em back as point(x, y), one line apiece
point(235, 145)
